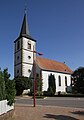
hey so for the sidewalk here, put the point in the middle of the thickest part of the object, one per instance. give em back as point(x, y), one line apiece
point(24, 112)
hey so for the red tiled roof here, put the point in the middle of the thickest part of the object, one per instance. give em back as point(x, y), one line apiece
point(52, 65)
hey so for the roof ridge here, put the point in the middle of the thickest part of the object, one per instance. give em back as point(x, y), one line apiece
point(51, 60)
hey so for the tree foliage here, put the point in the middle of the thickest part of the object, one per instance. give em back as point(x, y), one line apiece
point(39, 85)
point(51, 84)
point(7, 87)
point(2, 86)
point(22, 83)
point(78, 80)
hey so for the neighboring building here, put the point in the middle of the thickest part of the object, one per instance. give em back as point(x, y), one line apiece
point(24, 57)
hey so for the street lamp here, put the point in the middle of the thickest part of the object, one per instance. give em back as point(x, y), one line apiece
point(34, 73)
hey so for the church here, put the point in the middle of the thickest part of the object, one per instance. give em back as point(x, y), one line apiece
point(25, 56)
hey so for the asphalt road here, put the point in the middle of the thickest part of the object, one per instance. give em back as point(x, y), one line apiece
point(55, 101)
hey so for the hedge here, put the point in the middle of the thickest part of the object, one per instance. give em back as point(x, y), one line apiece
point(7, 87)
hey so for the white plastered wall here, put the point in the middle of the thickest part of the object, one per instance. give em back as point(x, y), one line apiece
point(27, 63)
point(61, 88)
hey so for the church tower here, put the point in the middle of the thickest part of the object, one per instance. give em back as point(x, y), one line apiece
point(23, 53)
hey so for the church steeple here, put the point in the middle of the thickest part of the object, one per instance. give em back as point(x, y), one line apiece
point(25, 29)
point(23, 55)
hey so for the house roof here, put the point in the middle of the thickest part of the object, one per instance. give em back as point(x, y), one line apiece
point(52, 65)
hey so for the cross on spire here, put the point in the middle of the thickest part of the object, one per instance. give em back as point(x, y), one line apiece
point(25, 7)
point(25, 28)
point(24, 32)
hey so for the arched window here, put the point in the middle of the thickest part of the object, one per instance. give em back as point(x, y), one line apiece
point(29, 45)
point(17, 57)
point(59, 80)
point(37, 75)
point(17, 71)
point(65, 81)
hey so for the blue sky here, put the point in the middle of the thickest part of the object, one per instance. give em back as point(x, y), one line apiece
point(57, 25)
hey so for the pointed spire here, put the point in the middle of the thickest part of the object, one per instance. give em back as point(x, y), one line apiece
point(25, 28)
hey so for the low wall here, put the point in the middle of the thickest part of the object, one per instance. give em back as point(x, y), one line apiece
point(7, 116)
point(4, 108)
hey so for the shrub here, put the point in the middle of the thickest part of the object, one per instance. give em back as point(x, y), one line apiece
point(10, 91)
point(39, 93)
point(50, 91)
point(45, 93)
point(2, 87)
point(22, 83)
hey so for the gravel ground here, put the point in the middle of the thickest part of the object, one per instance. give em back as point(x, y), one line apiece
point(25, 112)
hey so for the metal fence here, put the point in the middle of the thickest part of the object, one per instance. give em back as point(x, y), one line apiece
point(4, 108)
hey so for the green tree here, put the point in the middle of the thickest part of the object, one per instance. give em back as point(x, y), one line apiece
point(39, 85)
point(10, 91)
point(9, 87)
point(2, 86)
point(51, 84)
point(78, 80)
point(22, 83)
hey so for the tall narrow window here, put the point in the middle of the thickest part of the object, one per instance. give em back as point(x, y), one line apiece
point(37, 75)
point(29, 45)
point(18, 45)
point(59, 81)
point(65, 81)
point(17, 57)
point(17, 71)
